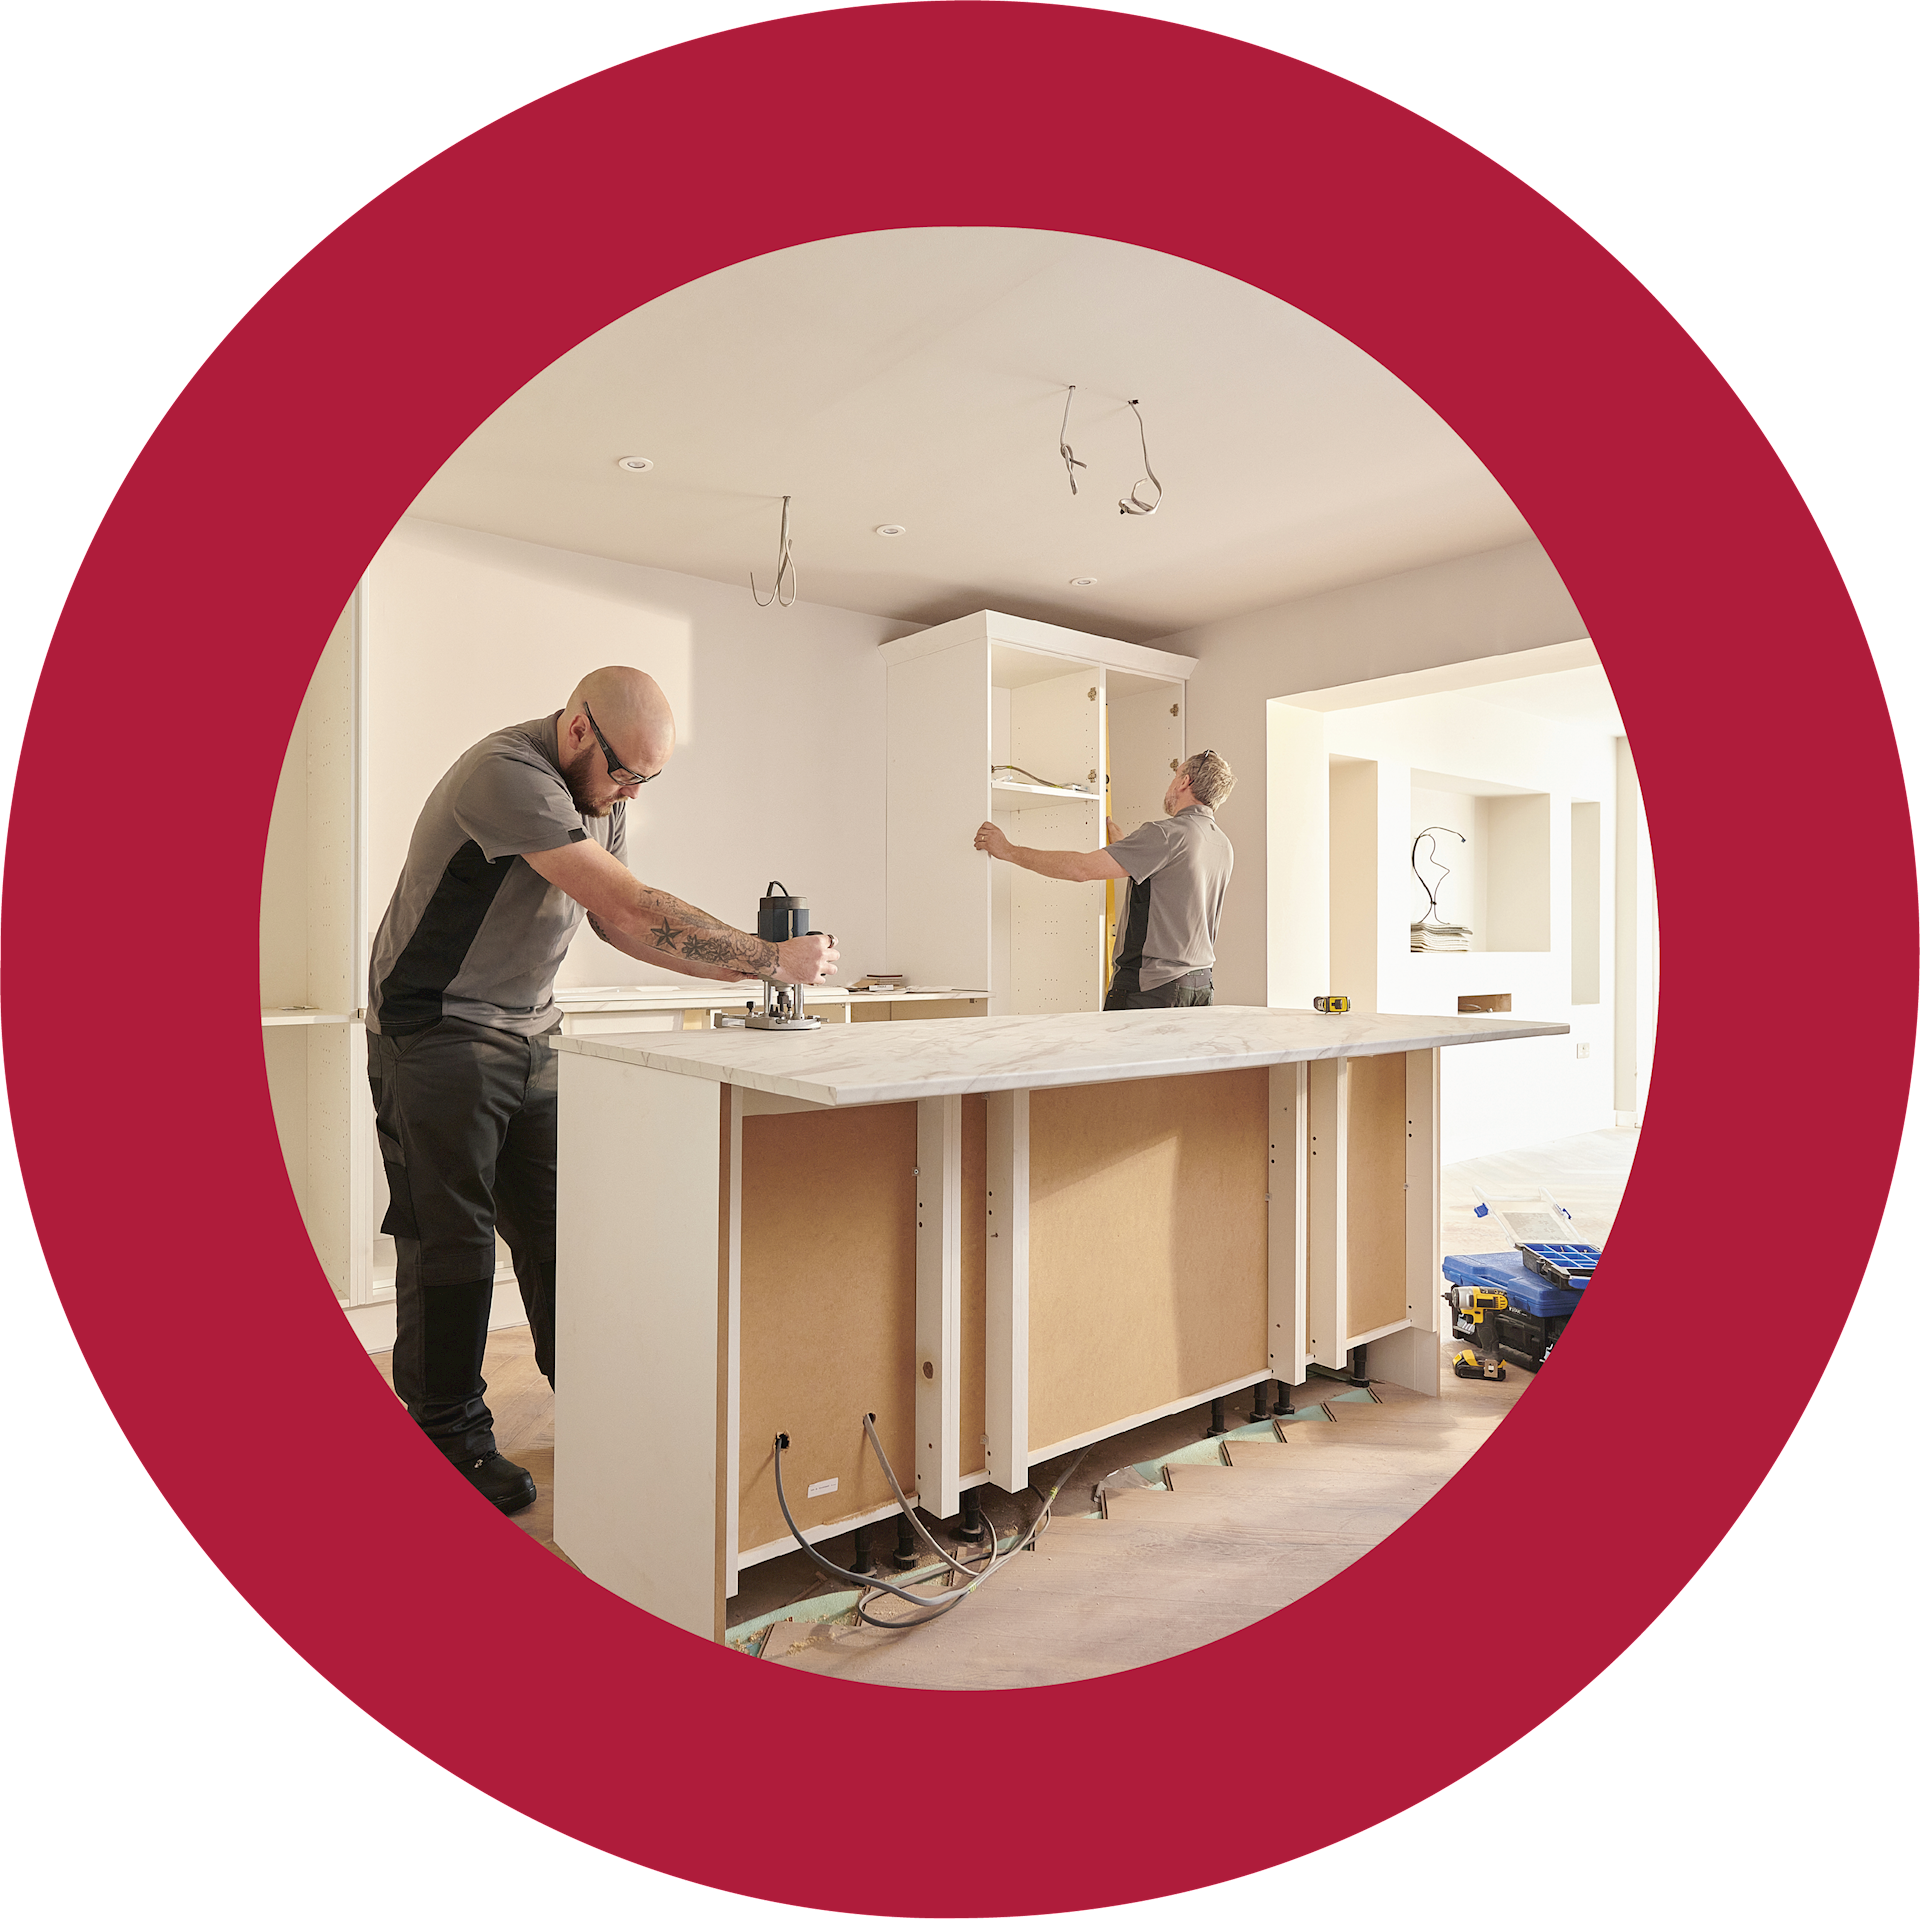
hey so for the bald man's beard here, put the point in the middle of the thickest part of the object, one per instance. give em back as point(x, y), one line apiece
point(576, 779)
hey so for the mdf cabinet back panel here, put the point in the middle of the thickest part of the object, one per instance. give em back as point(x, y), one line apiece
point(826, 1309)
point(938, 754)
point(1147, 1238)
point(1376, 1191)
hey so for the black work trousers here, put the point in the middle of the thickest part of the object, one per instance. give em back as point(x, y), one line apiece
point(467, 1122)
point(1190, 989)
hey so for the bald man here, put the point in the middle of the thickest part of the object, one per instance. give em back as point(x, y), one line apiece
point(522, 840)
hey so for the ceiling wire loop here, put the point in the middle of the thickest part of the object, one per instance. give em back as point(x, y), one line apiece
point(1133, 502)
point(1066, 452)
point(786, 580)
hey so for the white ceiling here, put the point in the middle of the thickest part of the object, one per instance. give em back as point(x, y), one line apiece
point(918, 377)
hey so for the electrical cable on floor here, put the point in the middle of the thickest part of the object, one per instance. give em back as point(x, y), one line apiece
point(843, 1573)
point(930, 1609)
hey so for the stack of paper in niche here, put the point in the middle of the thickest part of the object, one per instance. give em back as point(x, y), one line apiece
point(1434, 936)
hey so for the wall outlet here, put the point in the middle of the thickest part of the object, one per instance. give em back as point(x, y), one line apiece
point(1582, 1049)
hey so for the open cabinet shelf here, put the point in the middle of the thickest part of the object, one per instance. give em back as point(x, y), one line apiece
point(992, 690)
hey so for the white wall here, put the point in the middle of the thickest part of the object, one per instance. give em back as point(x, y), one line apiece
point(1636, 945)
point(1508, 600)
point(1298, 878)
point(306, 941)
point(283, 882)
point(1517, 1092)
point(780, 770)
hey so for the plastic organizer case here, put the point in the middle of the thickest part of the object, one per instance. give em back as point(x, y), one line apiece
point(1536, 1226)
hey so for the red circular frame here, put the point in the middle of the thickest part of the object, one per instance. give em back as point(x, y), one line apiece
point(202, 606)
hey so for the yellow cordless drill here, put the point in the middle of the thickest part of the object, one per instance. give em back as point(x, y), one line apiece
point(1477, 1305)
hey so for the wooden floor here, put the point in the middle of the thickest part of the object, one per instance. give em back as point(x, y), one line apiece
point(1162, 1571)
point(1586, 1174)
point(1167, 1570)
point(522, 1407)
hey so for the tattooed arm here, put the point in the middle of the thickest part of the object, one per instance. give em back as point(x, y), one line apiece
point(690, 945)
point(654, 926)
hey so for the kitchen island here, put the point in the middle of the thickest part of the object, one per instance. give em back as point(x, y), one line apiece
point(1003, 1237)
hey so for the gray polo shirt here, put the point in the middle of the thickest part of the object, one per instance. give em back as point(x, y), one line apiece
point(473, 932)
point(1177, 873)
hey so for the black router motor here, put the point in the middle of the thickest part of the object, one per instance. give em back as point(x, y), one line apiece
point(783, 1009)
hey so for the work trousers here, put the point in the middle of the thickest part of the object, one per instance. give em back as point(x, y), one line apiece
point(1190, 989)
point(467, 1118)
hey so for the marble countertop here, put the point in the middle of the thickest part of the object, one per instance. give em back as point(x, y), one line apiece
point(924, 1059)
point(623, 999)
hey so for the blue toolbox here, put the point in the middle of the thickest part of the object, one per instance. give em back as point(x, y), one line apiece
point(1536, 1312)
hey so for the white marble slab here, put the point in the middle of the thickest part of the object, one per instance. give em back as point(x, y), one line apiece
point(864, 1065)
point(664, 999)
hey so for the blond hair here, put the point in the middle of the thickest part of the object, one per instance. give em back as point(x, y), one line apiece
point(1210, 777)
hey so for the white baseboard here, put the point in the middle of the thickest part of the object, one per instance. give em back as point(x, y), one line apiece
point(374, 1322)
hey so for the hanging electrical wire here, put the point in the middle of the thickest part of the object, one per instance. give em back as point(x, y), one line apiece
point(941, 1603)
point(1133, 502)
point(786, 582)
point(1433, 854)
point(1066, 452)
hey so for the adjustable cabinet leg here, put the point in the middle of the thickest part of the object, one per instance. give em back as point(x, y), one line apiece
point(906, 1552)
point(972, 1528)
point(1261, 1393)
point(1357, 1364)
point(863, 1549)
point(1219, 1427)
point(1282, 1399)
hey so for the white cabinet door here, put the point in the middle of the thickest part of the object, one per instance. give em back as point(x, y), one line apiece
point(938, 749)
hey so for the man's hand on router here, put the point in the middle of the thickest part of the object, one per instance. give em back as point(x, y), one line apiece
point(807, 961)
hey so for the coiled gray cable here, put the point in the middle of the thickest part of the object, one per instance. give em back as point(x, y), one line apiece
point(932, 1608)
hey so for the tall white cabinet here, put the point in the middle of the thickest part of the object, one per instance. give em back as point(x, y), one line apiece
point(994, 717)
point(317, 916)
point(312, 962)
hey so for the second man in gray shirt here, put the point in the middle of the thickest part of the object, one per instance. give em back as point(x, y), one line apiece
point(1176, 871)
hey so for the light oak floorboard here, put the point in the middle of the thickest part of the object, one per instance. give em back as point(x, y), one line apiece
point(1229, 1545)
point(522, 1407)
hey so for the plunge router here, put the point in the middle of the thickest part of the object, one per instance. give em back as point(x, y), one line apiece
point(783, 1009)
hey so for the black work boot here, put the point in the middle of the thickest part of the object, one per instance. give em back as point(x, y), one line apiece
point(510, 1487)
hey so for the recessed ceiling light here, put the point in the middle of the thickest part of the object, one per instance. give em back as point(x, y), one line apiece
point(1083, 579)
point(637, 463)
point(891, 531)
